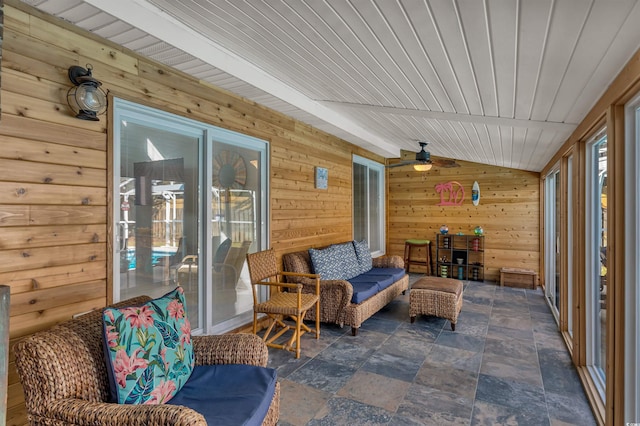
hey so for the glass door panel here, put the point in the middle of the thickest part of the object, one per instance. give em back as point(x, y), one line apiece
point(237, 225)
point(157, 207)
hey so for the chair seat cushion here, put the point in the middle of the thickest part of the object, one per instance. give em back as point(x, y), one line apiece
point(229, 394)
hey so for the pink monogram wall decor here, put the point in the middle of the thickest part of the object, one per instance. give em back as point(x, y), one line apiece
point(451, 193)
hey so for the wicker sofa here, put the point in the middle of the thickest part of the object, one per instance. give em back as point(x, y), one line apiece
point(339, 304)
point(64, 375)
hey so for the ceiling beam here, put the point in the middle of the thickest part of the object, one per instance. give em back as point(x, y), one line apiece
point(465, 118)
point(159, 24)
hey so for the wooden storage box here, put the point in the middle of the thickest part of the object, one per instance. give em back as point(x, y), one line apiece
point(521, 278)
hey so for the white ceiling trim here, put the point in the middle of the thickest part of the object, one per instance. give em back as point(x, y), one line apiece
point(157, 23)
point(465, 118)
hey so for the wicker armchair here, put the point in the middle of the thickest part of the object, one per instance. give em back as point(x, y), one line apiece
point(64, 375)
point(292, 304)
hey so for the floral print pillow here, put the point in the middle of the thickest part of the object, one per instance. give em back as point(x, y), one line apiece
point(149, 350)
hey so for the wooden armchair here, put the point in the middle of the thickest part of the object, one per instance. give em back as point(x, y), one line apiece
point(64, 375)
point(281, 305)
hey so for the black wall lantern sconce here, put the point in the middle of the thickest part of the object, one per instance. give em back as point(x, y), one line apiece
point(86, 98)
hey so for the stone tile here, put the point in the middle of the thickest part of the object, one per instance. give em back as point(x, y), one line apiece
point(380, 325)
point(521, 349)
point(448, 379)
point(510, 393)
point(347, 353)
point(460, 341)
point(570, 409)
point(489, 372)
point(373, 389)
point(406, 347)
point(470, 306)
point(303, 402)
point(510, 321)
point(418, 331)
point(428, 406)
point(323, 375)
point(366, 338)
point(460, 359)
point(397, 310)
point(347, 412)
point(487, 414)
point(485, 300)
point(559, 376)
point(285, 362)
point(506, 333)
point(516, 369)
point(393, 366)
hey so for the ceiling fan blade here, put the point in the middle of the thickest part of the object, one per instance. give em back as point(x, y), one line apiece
point(439, 162)
point(402, 163)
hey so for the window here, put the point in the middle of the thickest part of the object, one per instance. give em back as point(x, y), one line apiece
point(632, 256)
point(190, 200)
point(552, 240)
point(368, 204)
point(569, 225)
point(596, 261)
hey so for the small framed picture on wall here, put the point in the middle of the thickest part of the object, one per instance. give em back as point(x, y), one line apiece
point(322, 178)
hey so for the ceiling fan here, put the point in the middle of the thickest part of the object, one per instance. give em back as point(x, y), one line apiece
point(421, 160)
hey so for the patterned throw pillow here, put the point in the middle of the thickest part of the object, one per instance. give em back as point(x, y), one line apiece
point(326, 262)
point(148, 349)
point(364, 255)
point(348, 260)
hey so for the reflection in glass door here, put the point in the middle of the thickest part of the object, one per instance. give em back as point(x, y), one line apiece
point(237, 211)
point(156, 188)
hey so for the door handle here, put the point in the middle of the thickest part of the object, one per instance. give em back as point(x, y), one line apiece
point(121, 237)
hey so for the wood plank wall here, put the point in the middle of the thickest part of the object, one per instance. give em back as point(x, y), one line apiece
point(53, 169)
point(509, 212)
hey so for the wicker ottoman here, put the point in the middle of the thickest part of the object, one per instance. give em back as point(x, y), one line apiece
point(440, 297)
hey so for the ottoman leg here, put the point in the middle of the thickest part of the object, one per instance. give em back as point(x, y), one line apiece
point(413, 319)
point(453, 326)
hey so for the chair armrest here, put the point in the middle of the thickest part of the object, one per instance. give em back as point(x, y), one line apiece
point(299, 274)
point(191, 258)
point(240, 348)
point(393, 261)
point(81, 412)
point(335, 296)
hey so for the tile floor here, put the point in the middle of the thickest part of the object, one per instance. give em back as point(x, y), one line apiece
point(505, 364)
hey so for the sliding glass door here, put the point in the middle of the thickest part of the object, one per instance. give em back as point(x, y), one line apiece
point(170, 228)
point(368, 204)
point(597, 258)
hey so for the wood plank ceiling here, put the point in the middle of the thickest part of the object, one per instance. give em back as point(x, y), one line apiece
point(500, 82)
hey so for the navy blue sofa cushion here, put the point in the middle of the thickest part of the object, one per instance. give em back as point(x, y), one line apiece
point(362, 290)
point(396, 273)
point(229, 394)
point(371, 282)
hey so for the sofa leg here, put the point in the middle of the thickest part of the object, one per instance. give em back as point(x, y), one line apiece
point(354, 331)
point(404, 292)
point(453, 327)
point(413, 319)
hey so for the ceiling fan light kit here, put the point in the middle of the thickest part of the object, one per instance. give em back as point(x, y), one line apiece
point(422, 167)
